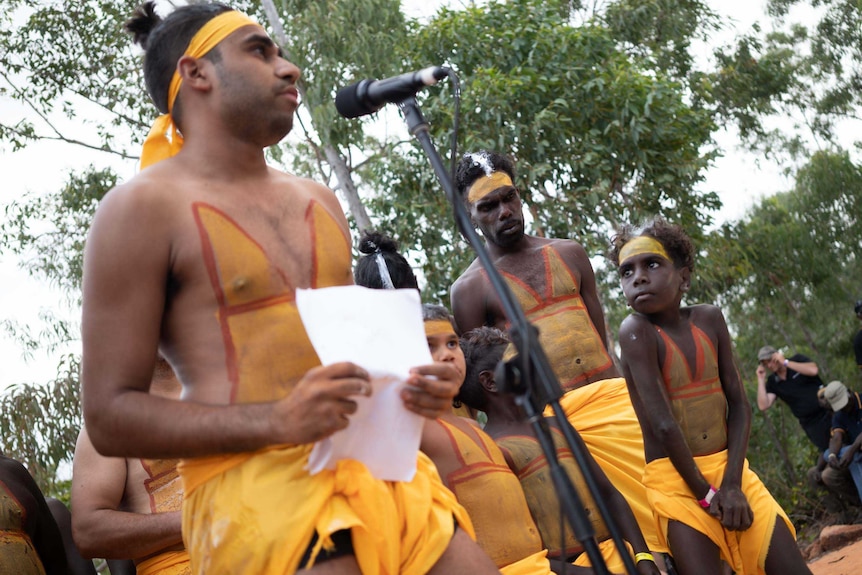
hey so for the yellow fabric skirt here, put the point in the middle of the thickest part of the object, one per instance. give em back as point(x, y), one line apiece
point(257, 515)
point(170, 563)
point(672, 499)
point(603, 415)
point(535, 564)
point(609, 552)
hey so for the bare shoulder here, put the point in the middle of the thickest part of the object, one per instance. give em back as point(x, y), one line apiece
point(634, 330)
point(707, 317)
point(566, 247)
point(469, 280)
point(147, 199)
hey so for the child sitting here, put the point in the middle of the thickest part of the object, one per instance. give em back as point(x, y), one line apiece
point(685, 388)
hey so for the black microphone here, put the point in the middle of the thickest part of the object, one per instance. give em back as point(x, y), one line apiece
point(368, 96)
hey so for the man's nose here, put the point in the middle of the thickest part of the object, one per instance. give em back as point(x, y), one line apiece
point(289, 70)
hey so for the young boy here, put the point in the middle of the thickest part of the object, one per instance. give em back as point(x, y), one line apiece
point(695, 417)
point(483, 348)
point(475, 470)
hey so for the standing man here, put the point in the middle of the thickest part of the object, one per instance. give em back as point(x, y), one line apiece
point(199, 257)
point(554, 283)
point(795, 381)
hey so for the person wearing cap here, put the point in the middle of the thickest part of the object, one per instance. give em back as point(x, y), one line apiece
point(795, 380)
point(857, 339)
point(845, 447)
point(199, 256)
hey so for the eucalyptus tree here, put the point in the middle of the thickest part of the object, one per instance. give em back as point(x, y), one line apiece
point(599, 136)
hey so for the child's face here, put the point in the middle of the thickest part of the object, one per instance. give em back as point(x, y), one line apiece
point(650, 280)
point(444, 345)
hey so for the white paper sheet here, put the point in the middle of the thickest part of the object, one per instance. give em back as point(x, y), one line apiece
point(381, 331)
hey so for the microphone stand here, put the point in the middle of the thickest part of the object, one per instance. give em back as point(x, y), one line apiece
point(529, 365)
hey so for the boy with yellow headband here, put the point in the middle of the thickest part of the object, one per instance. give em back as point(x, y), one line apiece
point(483, 349)
point(199, 256)
point(474, 468)
point(678, 363)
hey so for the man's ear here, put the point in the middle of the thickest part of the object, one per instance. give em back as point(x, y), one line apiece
point(685, 274)
point(486, 380)
point(195, 72)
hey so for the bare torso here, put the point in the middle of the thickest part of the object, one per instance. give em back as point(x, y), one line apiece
point(527, 270)
point(263, 225)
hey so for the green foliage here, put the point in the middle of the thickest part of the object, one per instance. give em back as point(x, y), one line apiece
point(39, 426)
point(64, 58)
point(809, 71)
point(794, 273)
point(48, 231)
point(598, 138)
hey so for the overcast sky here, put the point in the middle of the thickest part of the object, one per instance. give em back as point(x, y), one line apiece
point(43, 167)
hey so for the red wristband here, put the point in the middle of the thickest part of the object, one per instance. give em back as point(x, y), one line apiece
point(707, 499)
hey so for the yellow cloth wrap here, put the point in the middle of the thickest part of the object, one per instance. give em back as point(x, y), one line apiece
point(170, 563)
point(603, 415)
point(17, 554)
point(671, 498)
point(610, 554)
point(642, 245)
point(438, 327)
point(535, 564)
point(164, 141)
point(258, 517)
point(484, 185)
point(492, 495)
point(574, 348)
point(533, 471)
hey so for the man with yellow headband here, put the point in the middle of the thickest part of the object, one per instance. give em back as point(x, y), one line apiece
point(199, 256)
point(554, 282)
point(685, 387)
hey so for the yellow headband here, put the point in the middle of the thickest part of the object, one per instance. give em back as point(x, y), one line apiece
point(642, 245)
point(158, 146)
point(438, 327)
point(484, 186)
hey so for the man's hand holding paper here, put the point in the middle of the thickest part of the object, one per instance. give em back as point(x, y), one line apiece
point(381, 331)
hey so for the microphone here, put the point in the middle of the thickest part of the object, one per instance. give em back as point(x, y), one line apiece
point(368, 96)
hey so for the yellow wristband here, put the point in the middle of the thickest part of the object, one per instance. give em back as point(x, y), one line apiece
point(644, 557)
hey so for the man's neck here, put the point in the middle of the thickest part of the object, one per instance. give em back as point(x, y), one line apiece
point(225, 161)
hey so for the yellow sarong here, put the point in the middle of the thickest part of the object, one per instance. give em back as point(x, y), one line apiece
point(170, 563)
point(671, 498)
point(535, 564)
point(258, 516)
point(611, 555)
point(603, 415)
